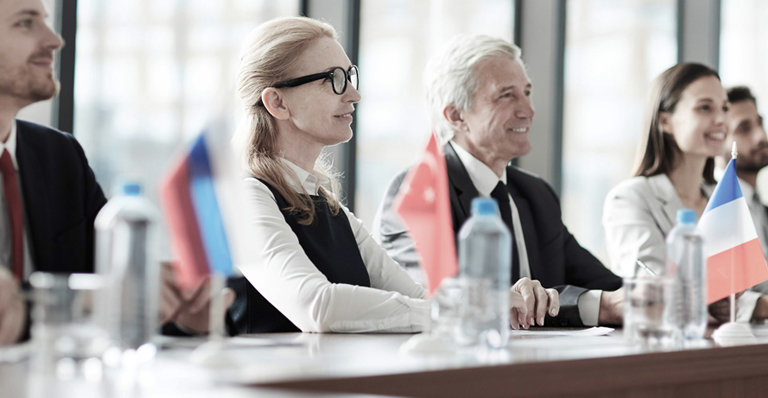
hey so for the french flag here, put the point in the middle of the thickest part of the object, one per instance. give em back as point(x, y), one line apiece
point(191, 195)
point(735, 261)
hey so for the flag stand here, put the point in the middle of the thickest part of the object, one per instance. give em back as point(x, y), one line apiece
point(733, 333)
point(212, 354)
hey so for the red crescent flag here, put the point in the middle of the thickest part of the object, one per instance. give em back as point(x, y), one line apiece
point(425, 208)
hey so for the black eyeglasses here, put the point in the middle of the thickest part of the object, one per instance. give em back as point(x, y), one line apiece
point(338, 77)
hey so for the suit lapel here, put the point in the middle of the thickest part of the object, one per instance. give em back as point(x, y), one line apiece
point(460, 183)
point(526, 220)
point(670, 203)
point(35, 199)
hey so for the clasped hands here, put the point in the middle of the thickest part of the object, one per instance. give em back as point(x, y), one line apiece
point(529, 303)
point(189, 309)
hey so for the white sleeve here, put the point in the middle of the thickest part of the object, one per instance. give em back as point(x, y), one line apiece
point(385, 273)
point(280, 270)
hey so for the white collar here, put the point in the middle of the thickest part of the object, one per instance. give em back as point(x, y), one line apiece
point(10, 145)
point(310, 182)
point(483, 178)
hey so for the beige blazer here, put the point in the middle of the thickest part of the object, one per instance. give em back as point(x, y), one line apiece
point(637, 216)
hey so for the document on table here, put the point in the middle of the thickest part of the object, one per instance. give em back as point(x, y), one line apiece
point(593, 331)
point(229, 343)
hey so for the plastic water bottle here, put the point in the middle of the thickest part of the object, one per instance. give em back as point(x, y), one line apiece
point(126, 257)
point(485, 253)
point(687, 268)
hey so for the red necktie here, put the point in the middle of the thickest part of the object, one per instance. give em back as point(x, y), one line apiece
point(13, 198)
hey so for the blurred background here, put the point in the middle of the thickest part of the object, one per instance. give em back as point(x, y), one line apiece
point(141, 78)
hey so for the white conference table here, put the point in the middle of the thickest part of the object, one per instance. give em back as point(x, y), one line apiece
point(293, 364)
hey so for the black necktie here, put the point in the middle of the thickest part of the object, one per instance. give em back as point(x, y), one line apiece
point(501, 194)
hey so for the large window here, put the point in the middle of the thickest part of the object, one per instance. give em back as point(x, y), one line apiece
point(150, 74)
point(744, 46)
point(396, 40)
point(614, 49)
point(744, 55)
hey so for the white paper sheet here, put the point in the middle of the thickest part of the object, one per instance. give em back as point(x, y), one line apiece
point(593, 331)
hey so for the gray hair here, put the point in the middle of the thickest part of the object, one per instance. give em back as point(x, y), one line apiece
point(450, 78)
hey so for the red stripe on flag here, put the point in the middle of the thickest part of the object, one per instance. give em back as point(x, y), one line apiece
point(185, 235)
point(749, 270)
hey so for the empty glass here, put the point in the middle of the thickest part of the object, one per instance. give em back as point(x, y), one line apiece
point(68, 339)
point(644, 318)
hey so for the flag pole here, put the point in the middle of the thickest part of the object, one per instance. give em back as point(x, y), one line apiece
point(213, 354)
point(732, 299)
point(733, 333)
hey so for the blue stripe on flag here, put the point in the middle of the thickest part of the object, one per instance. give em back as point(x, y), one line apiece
point(727, 190)
point(207, 210)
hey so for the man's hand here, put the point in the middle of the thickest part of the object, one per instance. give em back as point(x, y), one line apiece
point(529, 303)
point(189, 309)
point(13, 314)
point(761, 309)
point(720, 310)
point(611, 308)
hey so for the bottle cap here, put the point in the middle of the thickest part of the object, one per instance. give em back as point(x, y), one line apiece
point(131, 189)
point(686, 217)
point(484, 207)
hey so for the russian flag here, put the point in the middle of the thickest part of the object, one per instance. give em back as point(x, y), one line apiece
point(735, 261)
point(191, 195)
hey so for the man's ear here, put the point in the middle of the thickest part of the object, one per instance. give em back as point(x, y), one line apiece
point(665, 124)
point(455, 117)
point(274, 101)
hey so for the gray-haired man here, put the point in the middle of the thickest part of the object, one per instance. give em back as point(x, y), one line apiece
point(481, 109)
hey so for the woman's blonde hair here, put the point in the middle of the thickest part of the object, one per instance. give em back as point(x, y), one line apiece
point(268, 55)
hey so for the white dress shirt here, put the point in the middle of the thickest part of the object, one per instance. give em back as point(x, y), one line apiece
point(5, 219)
point(485, 180)
point(286, 277)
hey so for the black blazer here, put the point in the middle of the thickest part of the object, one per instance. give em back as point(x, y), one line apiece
point(556, 259)
point(61, 198)
point(61, 201)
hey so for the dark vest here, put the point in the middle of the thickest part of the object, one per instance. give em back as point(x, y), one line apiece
point(331, 246)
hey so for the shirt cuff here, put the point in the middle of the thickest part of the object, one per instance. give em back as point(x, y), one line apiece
point(589, 307)
point(421, 315)
point(746, 306)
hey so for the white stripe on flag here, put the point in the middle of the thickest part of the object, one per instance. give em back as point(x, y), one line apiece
point(727, 226)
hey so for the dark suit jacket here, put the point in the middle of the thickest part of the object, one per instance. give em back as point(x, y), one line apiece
point(61, 198)
point(556, 258)
point(61, 201)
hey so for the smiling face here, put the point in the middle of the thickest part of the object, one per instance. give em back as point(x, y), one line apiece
point(745, 127)
point(315, 111)
point(27, 46)
point(698, 123)
point(499, 119)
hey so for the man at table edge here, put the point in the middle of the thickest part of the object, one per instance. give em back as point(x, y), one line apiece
point(481, 110)
point(49, 196)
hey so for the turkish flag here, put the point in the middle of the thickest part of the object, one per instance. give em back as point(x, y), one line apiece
point(425, 208)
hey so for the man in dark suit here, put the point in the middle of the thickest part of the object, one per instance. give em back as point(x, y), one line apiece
point(49, 197)
point(479, 95)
